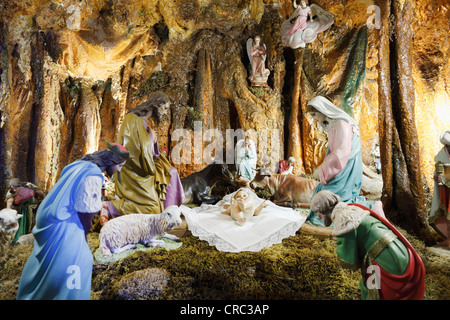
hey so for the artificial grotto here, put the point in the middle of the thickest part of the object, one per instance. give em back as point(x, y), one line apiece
point(71, 70)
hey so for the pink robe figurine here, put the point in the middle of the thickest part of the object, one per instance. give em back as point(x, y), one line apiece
point(302, 19)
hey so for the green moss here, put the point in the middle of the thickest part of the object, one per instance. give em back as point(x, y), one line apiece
point(301, 267)
point(294, 269)
point(263, 193)
point(155, 82)
point(72, 88)
point(143, 284)
point(11, 265)
point(193, 115)
point(258, 91)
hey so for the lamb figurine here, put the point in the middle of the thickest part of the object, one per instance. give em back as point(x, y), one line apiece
point(8, 227)
point(124, 232)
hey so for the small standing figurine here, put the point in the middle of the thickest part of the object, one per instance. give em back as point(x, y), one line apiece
point(376, 158)
point(246, 160)
point(257, 55)
point(390, 266)
point(439, 215)
point(163, 152)
point(287, 167)
point(24, 198)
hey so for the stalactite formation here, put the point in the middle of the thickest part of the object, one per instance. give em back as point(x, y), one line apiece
point(70, 70)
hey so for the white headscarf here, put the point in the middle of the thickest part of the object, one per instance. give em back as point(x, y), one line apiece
point(328, 109)
point(445, 137)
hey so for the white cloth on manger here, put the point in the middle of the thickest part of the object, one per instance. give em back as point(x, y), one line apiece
point(271, 226)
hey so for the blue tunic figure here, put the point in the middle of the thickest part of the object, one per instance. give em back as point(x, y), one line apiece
point(60, 265)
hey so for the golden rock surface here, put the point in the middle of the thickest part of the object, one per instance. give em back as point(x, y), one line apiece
point(71, 69)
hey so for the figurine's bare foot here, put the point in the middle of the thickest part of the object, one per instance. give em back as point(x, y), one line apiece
point(260, 207)
point(241, 221)
point(154, 243)
point(171, 237)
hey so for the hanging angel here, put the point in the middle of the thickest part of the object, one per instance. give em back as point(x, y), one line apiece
point(301, 14)
point(301, 31)
point(257, 55)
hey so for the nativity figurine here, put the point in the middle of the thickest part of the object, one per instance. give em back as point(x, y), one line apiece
point(341, 171)
point(267, 223)
point(297, 31)
point(288, 190)
point(125, 232)
point(23, 197)
point(148, 183)
point(246, 160)
point(439, 215)
point(257, 55)
point(60, 265)
point(9, 224)
point(286, 167)
point(197, 187)
point(301, 14)
point(391, 268)
point(242, 207)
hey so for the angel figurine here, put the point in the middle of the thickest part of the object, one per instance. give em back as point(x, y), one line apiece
point(257, 54)
point(301, 14)
point(303, 31)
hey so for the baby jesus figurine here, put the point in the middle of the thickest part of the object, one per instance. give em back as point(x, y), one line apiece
point(242, 207)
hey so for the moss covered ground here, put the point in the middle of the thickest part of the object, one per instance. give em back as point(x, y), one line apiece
point(301, 267)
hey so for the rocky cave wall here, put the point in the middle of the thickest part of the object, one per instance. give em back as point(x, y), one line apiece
point(70, 70)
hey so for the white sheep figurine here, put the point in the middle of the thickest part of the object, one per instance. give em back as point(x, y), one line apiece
point(8, 227)
point(125, 232)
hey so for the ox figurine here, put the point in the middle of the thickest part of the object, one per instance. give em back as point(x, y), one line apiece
point(197, 187)
point(288, 190)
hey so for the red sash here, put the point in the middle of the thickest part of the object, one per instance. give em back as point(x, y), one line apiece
point(282, 166)
point(445, 198)
point(411, 284)
point(23, 194)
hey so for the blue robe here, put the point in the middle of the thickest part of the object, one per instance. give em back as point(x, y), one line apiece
point(246, 163)
point(60, 265)
point(347, 183)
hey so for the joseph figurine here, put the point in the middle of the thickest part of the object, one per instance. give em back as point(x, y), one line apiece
point(147, 183)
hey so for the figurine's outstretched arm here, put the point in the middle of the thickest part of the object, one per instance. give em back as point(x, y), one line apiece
point(260, 207)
